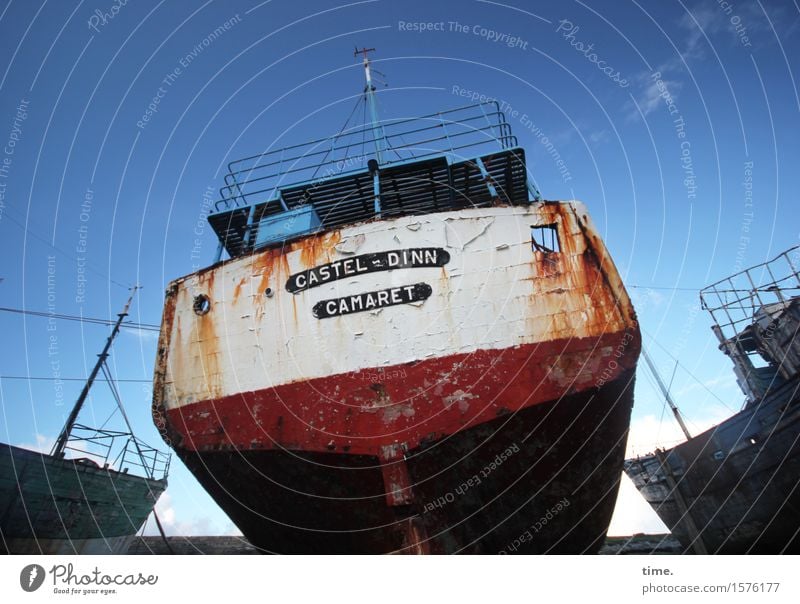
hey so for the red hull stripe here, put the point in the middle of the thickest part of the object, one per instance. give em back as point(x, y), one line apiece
point(405, 405)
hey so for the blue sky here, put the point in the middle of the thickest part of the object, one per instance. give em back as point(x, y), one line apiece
point(675, 122)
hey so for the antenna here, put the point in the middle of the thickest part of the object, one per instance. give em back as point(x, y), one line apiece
point(363, 51)
point(369, 91)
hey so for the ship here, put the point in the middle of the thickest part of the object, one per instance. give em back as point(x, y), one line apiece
point(91, 494)
point(406, 350)
point(733, 489)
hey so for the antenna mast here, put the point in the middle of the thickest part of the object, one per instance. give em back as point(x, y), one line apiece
point(369, 91)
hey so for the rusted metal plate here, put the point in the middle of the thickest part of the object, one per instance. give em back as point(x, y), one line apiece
point(498, 487)
point(389, 353)
point(493, 293)
point(367, 411)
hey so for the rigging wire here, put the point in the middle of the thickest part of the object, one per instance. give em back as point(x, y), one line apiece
point(347, 147)
point(118, 399)
point(382, 81)
point(89, 266)
point(694, 377)
point(672, 378)
point(682, 289)
point(66, 379)
point(115, 394)
point(108, 419)
point(652, 382)
point(150, 474)
point(389, 144)
point(338, 134)
point(65, 317)
point(661, 419)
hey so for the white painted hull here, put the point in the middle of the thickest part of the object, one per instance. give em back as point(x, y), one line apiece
point(494, 293)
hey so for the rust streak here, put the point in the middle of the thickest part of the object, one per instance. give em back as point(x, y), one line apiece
point(317, 250)
point(163, 358)
point(236, 291)
point(207, 337)
point(263, 264)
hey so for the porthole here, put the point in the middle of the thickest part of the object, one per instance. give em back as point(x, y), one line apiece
point(268, 292)
point(201, 304)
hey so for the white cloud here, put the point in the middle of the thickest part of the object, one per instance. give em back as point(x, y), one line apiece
point(702, 22)
point(43, 444)
point(651, 96)
point(645, 298)
point(633, 514)
point(726, 382)
point(145, 335)
point(696, 25)
point(599, 136)
point(648, 432)
point(186, 526)
point(230, 529)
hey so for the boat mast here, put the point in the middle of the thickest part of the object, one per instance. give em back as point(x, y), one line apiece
point(698, 545)
point(369, 91)
point(667, 395)
point(61, 443)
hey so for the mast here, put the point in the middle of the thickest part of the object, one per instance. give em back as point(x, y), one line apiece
point(61, 443)
point(698, 545)
point(369, 91)
point(667, 395)
point(687, 520)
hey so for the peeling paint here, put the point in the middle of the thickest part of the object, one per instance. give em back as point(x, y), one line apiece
point(350, 245)
point(459, 397)
point(479, 305)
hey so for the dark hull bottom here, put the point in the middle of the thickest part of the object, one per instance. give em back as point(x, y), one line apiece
point(542, 480)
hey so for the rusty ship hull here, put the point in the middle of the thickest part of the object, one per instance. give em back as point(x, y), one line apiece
point(733, 489)
point(431, 383)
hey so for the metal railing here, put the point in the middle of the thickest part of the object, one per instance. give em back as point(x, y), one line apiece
point(733, 301)
point(458, 134)
point(120, 451)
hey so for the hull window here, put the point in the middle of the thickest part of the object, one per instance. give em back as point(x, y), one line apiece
point(545, 239)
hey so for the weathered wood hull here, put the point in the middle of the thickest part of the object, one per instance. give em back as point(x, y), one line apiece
point(61, 506)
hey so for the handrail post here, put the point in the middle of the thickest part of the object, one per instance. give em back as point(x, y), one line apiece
point(447, 137)
point(376, 185)
point(249, 229)
point(486, 177)
point(533, 190)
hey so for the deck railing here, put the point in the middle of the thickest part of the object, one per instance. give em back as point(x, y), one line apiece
point(120, 451)
point(733, 301)
point(458, 133)
point(464, 157)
